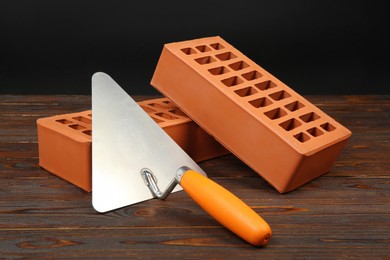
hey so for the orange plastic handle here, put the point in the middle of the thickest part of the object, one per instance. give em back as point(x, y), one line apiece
point(226, 208)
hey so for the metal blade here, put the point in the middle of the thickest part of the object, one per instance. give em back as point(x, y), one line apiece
point(124, 141)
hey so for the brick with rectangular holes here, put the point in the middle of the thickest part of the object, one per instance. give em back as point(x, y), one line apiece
point(65, 141)
point(274, 130)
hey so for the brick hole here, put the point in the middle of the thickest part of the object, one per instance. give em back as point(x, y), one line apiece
point(275, 113)
point(294, 106)
point(169, 103)
point(229, 82)
point(77, 127)
point(315, 131)
point(90, 115)
point(166, 116)
point(203, 48)
point(148, 109)
point(244, 92)
point(188, 51)
point(260, 102)
point(157, 105)
point(83, 119)
point(87, 132)
point(290, 124)
point(252, 75)
point(239, 65)
point(226, 56)
point(328, 127)
point(265, 85)
point(178, 112)
point(205, 60)
point(219, 70)
point(279, 95)
point(64, 121)
point(302, 137)
point(309, 117)
point(217, 46)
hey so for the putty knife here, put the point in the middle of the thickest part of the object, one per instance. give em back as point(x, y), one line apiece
point(132, 157)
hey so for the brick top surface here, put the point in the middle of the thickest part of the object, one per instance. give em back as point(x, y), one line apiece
point(78, 126)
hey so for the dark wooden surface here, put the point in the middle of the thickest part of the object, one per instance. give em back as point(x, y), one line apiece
point(342, 214)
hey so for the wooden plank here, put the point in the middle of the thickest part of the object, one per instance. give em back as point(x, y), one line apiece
point(345, 213)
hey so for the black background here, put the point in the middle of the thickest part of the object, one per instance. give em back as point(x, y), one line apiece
point(315, 47)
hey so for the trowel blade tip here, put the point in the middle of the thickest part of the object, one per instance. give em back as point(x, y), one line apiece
point(100, 74)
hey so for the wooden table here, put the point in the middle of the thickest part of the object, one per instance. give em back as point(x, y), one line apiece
point(342, 214)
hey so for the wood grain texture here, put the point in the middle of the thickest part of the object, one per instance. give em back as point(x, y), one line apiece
point(342, 214)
